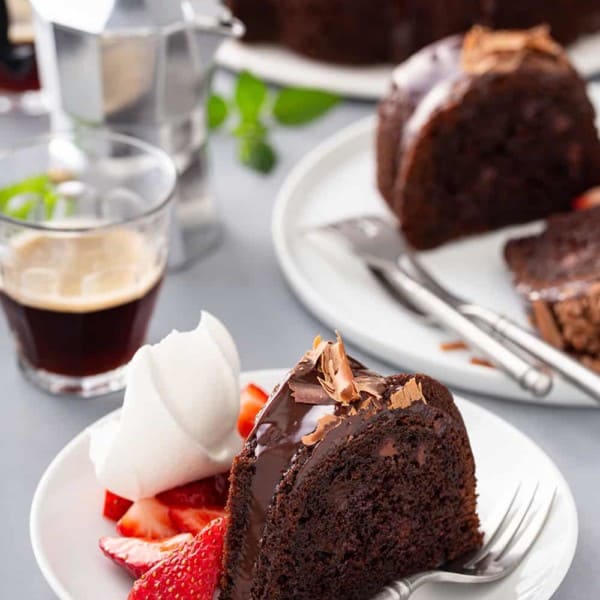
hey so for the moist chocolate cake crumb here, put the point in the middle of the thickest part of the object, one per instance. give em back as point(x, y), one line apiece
point(483, 131)
point(558, 275)
point(337, 501)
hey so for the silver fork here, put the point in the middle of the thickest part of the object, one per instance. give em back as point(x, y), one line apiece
point(381, 249)
point(510, 533)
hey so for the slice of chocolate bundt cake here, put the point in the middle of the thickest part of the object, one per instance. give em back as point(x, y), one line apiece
point(484, 131)
point(349, 481)
point(558, 274)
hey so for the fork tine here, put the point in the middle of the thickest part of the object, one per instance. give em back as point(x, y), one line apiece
point(509, 531)
point(493, 525)
point(509, 534)
point(513, 557)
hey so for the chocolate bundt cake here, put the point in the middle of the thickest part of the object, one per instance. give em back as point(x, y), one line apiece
point(363, 31)
point(483, 131)
point(349, 481)
point(558, 274)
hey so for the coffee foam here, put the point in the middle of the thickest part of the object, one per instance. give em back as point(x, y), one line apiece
point(79, 272)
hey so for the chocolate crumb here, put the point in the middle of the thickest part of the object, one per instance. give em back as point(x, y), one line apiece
point(388, 449)
point(325, 424)
point(451, 346)
point(482, 362)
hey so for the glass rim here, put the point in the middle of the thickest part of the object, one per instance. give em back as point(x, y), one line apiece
point(165, 161)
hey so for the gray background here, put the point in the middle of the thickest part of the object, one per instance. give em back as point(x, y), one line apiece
point(241, 283)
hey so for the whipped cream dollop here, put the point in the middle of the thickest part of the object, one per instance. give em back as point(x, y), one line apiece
point(179, 417)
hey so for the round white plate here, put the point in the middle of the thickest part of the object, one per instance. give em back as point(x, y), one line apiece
point(337, 180)
point(66, 519)
point(280, 65)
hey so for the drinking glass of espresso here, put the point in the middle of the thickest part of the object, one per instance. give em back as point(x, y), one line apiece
point(84, 224)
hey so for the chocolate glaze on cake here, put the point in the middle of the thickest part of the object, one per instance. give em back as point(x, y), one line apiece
point(363, 32)
point(558, 274)
point(484, 131)
point(324, 497)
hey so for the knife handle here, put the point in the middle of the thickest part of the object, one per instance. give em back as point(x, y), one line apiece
point(525, 372)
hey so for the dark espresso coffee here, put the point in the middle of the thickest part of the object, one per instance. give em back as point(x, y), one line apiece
point(80, 305)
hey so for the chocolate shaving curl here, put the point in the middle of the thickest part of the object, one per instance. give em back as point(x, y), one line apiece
point(325, 424)
point(407, 395)
point(338, 379)
point(309, 393)
point(485, 50)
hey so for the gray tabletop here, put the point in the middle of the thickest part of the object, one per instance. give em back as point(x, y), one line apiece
point(240, 282)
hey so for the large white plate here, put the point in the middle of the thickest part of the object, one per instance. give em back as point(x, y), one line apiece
point(337, 180)
point(279, 65)
point(66, 519)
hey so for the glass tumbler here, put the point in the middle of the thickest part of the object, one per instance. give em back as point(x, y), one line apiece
point(84, 225)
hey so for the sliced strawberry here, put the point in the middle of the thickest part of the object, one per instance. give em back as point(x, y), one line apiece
point(138, 556)
point(253, 392)
point(193, 520)
point(587, 200)
point(211, 492)
point(148, 519)
point(191, 573)
point(253, 400)
point(115, 506)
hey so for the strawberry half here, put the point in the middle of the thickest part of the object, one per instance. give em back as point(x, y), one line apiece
point(191, 573)
point(115, 506)
point(148, 519)
point(211, 492)
point(587, 200)
point(193, 520)
point(138, 556)
point(253, 399)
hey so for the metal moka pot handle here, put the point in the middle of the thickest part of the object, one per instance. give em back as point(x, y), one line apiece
point(226, 25)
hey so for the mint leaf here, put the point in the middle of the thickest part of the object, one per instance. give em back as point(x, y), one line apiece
point(250, 96)
point(37, 185)
point(257, 154)
point(20, 199)
point(297, 106)
point(250, 129)
point(216, 111)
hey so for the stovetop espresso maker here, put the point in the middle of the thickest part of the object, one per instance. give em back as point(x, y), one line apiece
point(143, 68)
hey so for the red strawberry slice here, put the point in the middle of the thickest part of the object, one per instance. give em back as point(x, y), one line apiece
point(138, 556)
point(191, 573)
point(587, 200)
point(193, 520)
point(253, 400)
point(115, 506)
point(211, 492)
point(148, 519)
point(253, 392)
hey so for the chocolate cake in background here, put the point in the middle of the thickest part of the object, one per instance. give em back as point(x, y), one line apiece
point(349, 481)
point(558, 275)
point(483, 131)
point(375, 31)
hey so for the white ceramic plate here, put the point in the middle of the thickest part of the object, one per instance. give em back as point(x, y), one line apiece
point(337, 180)
point(66, 519)
point(282, 66)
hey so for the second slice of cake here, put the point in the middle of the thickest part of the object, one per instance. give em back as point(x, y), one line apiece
point(558, 274)
point(482, 131)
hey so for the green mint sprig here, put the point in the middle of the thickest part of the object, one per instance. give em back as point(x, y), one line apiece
point(20, 200)
point(254, 111)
